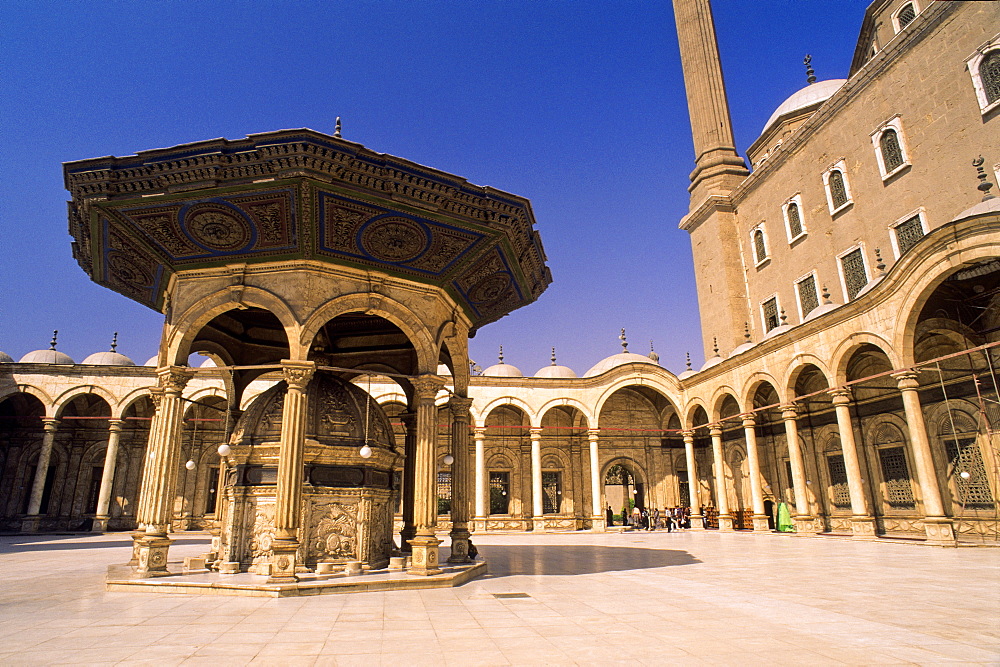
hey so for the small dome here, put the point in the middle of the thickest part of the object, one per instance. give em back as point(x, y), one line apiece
point(555, 371)
point(712, 361)
point(777, 331)
point(443, 370)
point(812, 95)
point(107, 359)
point(619, 359)
point(6, 358)
point(47, 357)
point(503, 370)
point(686, 374)
point(208, 363)
point(153, 361)
point(991, 205)
point(741, 348)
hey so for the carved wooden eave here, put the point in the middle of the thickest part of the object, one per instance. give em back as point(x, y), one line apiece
point(300, 194)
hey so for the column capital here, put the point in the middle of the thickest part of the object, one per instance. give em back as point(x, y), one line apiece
point(156, 396)
point(50, 424)
point(593, 434)
point(479, 432)
point(715, 431)
point(841, 395)
point(535, 432)
point(173, 378)
point(459, 406)
point(749, 421)
point(789, 411)
point(297, 373)
point(906, 379)
point(116, 425)
point(427, 386)
point(688, 435)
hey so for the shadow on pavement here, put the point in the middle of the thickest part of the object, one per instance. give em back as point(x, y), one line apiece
point(21, 543)
point(506, 560)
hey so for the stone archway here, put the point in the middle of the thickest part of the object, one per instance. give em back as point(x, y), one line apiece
point(622, 484)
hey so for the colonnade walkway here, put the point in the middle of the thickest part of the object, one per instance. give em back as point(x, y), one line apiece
point(562, 598)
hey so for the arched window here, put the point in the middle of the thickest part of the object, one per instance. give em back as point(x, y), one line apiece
point(960, 434)
point(989, 74)
point(897, 489)
point(794, 220)
point(838, 193)
point(906, 15)
point(892, 154)
point(760, 249)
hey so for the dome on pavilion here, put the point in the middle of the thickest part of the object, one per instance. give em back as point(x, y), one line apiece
point(5, 358)
point(502, 370)
point(620, 359)
point(49, 356)
point(153, 361)
point(108, 359)
point(554, 370)
point(811, 96)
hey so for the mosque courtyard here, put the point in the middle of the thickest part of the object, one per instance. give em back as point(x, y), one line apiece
point(558, 598)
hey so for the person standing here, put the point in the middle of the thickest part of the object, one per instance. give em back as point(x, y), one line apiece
point(656, 519)
point(611, 516)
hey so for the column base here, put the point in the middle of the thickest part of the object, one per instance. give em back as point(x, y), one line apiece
point(136, 536)
point(151, 553)
point(459, 547)
point(99, 524)
point(424, 555)
point(940, 532)
point(283, 562)
point(538, 524)
point(405, 536)
point(760, 523)
point(597, 524)
point(697, 521)
point(863, 528)
point(32, 524)
point(726, 523)
point(807, 525)
point(479, 524)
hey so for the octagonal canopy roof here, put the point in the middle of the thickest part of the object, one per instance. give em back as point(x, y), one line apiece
point(305, 196)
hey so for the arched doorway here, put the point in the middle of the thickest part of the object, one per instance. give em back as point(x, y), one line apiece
point(623, 489)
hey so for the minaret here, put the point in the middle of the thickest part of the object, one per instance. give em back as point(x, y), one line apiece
point(719, 168)
point(711, 220)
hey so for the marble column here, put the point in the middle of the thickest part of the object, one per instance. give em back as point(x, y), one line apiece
point(409, 529)
point(103, 512)
point(156, 398)
point(482, 484)
point(939, 528)
point(160, 480)
point(721, 495)
point(862, 522)
point(424, 545)
point(291, 456)
point(538, 509)
point(598, 519)
point(461, 479)
point(805, 523)
point(697, 519)
point(32, 523)
point(753, 460)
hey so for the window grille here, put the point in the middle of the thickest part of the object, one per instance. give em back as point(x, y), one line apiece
point(770, 314)
point(807, 295)
point(854, 272)
point(838, 481)
point(989, 74)
point(551, 492)
point(908, 233)
point(906, 15)
point(444, 492)
point(892, 153)
point(790, 489)
point(212, 494)
point(794, 220)
point(838, 192)
point(759, 248)
point(898, 490)
point(683, 488)
point(499, 493)
point(964, 455)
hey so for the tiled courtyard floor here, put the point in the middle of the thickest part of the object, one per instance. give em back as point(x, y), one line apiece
point(647, 598)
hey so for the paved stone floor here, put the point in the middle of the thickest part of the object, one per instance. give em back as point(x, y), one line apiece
point(647, 598)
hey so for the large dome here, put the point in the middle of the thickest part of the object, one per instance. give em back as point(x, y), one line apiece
point(108, 359)
point(619, 359)
point(47, 357)
point(812, 95)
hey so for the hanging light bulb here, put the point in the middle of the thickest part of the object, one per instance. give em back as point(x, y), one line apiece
point(225, 450)
point(964, 474)
point(448, 459)
point(366, 451)
point(190, 465)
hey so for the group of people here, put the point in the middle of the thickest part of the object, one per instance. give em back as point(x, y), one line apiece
point(640, 518)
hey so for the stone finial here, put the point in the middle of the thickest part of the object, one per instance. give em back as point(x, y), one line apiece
point(783, 318)
point(500, 355)
point(826, 296)
point(114, 342)
point(653, 356)
point(687, 360)
point(810, 74)
point(715, 345)
point(984, 185)
point(621, 337)
point(52, 343)
point(336, 132)
point(879, 264)
point(553, 357)
point(746, 331)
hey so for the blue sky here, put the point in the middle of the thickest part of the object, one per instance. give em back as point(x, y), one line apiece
point(577, 105)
